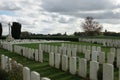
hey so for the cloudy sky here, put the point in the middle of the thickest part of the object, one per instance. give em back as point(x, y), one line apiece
point(59, 16)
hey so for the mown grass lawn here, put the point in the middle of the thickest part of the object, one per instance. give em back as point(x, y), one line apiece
point(44, 69)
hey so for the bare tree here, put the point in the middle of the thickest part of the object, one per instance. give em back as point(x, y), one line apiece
point(91, 27)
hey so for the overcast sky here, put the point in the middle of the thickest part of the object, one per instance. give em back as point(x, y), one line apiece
point(59, 16)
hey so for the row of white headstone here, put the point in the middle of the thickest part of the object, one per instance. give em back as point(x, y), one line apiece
point(64, 49)
point(70, 64)
point(30, 53)
point(105, 42)
point(68, 49)
point(100, 56)
point(95, 55)
point(55, 59)
point(37, 54)
point(7, 46)
point(58, 50)
point(6, 64)
point(82, 48)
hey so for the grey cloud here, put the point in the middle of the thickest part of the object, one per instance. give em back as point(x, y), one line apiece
point(12, 6)
point(46, 21)
point(104, 15)
point(76, 5)
point(78, 8)
point(109, 21)
point(65, 20)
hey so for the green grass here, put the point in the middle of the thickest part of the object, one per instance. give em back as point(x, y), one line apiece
point(44, 69)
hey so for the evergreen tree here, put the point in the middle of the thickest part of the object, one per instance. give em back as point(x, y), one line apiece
point(0, 29)
point(16, 30)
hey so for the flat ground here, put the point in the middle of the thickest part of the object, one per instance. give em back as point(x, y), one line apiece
point(44, 69)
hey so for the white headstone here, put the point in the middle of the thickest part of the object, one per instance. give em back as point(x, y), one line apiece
point(82, 70)
point(87, 55)
point(64, 51)
point(72, 65)
point(6, 64)
point(94, 55)
point(51, 59)
point(40, 47)
point(94, 66)
point(36, 55)
point(110, 58)
point(74, 52)
point(49, 49)
point(44, 78)
point(99, 49)
point(57, 60)
point(102, 57)
point(94, 48)
point(3, 62)
point(56, 49)
point(64, 62)
point(69, 52)
point(41, 56)
point(35, 75)
point(83, 49)
point(26, 73)
point(112, 50)
point(108, 71)
point(118, 58)
point(10, 65)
